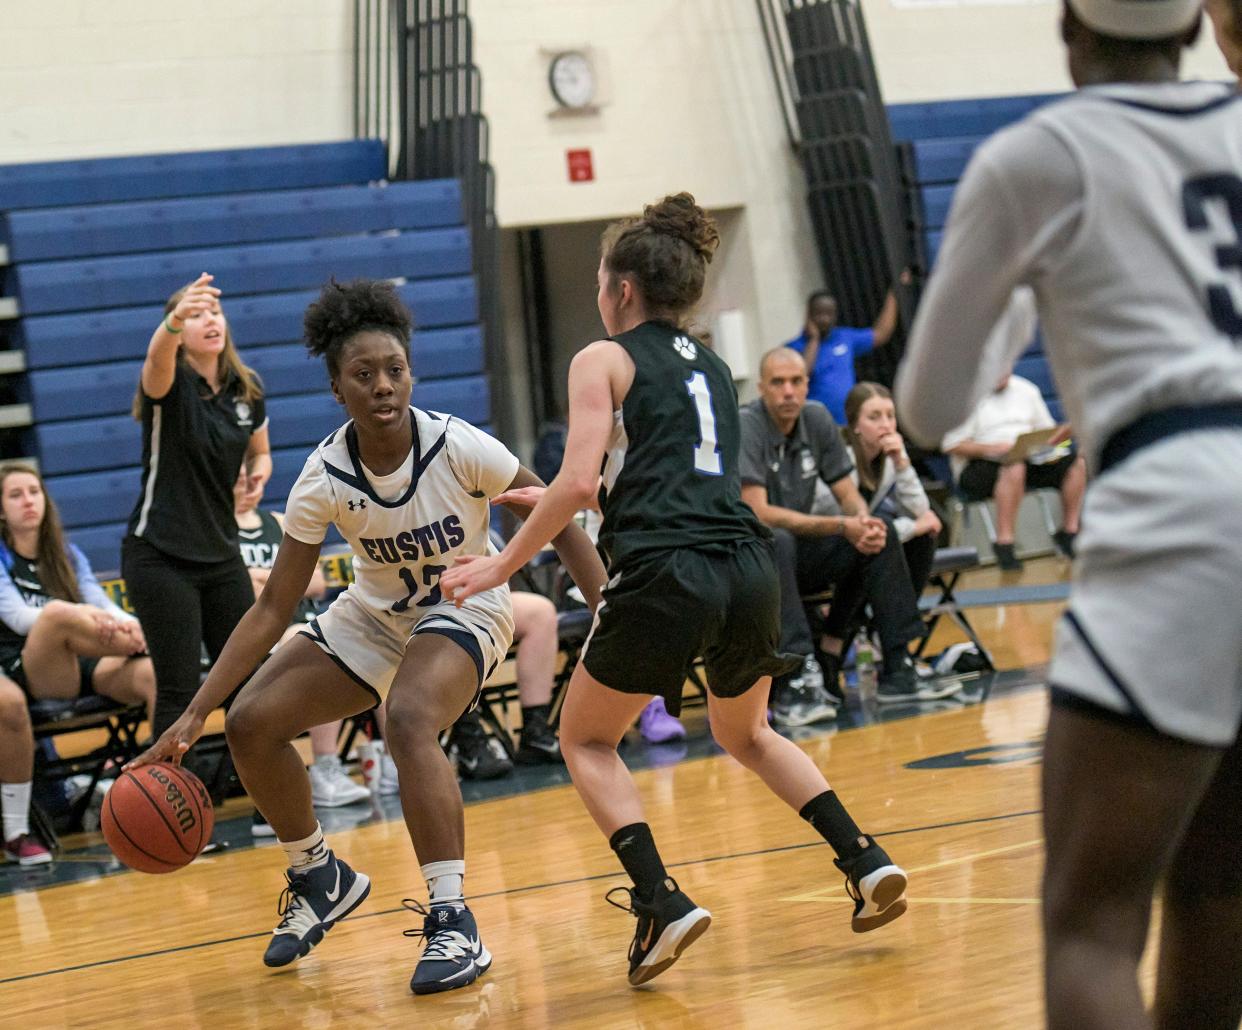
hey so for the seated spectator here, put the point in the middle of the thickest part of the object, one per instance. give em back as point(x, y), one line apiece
point(886, 479)
point(788, 446)
point(61, 637)
point(830, 349)
point(259, 534)
point(976, 450)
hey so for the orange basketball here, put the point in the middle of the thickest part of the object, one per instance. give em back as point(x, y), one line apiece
point(157, 818)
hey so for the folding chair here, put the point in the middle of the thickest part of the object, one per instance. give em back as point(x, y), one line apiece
point(947, 567)
point(53, 718)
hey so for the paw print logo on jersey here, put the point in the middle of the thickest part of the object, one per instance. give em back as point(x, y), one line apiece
point(685, 347)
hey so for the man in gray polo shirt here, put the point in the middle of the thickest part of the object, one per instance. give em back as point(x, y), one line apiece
point(788, 446)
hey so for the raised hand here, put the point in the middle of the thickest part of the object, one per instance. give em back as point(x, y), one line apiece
point(198, 296)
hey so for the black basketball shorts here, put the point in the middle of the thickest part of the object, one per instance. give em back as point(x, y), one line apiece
point(721, 603)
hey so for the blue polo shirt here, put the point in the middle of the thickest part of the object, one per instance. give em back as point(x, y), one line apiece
point(833, 375)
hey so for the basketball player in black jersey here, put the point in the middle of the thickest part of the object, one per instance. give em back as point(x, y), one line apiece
point(691, 573)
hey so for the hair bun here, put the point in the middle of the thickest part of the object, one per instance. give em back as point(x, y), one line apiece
point(678, 215)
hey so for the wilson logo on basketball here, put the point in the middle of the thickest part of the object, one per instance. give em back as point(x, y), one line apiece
point(177, 801)
point(157, 818)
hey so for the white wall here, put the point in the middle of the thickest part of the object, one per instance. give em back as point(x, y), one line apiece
point(936, 49)
point(86, 78)
point(689, 103)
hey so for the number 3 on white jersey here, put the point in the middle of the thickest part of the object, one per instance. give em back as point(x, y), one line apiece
point(707, 453)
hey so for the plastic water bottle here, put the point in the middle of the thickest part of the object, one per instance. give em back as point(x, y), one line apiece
point(864, 665)
point(371, 758)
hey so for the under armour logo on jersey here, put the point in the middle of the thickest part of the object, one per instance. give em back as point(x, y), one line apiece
point(685, 347)
point(360, 503)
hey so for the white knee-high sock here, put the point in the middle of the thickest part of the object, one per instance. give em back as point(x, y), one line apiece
point(15, 800)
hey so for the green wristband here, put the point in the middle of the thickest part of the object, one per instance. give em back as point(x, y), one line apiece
point(168, 324)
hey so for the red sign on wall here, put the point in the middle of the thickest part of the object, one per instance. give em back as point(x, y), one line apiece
point(580, 167)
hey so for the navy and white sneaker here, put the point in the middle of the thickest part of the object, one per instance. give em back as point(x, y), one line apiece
point(667, 926)
point(312, 903)
point(454, 955)
point(877, 885)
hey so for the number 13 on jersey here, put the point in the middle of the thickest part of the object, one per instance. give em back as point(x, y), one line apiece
point(707, 453)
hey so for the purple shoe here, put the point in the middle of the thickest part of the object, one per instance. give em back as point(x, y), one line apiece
point(657, 726)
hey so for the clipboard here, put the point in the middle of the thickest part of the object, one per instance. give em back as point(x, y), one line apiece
point(1028, 445)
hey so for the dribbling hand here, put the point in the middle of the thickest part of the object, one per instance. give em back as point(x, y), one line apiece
point(173, 743)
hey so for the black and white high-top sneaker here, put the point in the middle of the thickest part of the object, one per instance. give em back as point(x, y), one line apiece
point(877, 885)
point(310, 905)
point(454, 955)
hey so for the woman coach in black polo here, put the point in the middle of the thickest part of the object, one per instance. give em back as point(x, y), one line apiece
point(202, 415)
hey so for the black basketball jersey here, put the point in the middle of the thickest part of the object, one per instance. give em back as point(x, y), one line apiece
point(670, 477)
point(24, 572)
point(259, 547)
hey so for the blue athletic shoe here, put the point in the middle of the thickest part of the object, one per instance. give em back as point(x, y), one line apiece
point(312, 903)
point(454, 955)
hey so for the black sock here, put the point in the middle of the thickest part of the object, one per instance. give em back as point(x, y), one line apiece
point(637, 851)
point(896, 657)
point(527, 710)
point(832, 822)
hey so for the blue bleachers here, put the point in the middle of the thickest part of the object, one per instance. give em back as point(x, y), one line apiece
point(943, 160)
point(112, 335)
point(91, 391)
point(112, 179)
point(936, 201)
point(943, 136)
point(96, 246)
point(100, 229)
point(940, 119)
point(93, 497)
point(49, 286)
point(115, 441)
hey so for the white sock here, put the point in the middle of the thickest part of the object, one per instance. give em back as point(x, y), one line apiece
point(445, 881)
point(15, 800)
point(309, 852)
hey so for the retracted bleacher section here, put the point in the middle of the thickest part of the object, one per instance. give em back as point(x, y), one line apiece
point(93, 249)
point(935, 140)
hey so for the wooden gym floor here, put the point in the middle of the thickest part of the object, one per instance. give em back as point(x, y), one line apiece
point(952, 793)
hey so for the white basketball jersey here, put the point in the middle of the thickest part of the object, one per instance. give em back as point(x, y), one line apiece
point(1143, 310)
point(406, 528)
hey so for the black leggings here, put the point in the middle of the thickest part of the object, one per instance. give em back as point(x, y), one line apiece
point(182, 605)
point(920, 552)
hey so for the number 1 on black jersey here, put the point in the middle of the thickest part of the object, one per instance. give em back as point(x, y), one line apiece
point(707, 452)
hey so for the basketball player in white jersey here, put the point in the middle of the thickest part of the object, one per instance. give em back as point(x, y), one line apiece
point(409, 490)
point(1122, 207)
